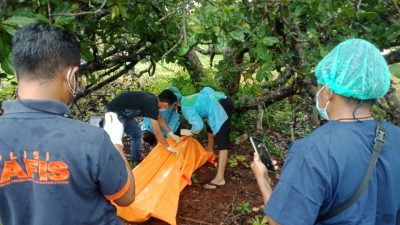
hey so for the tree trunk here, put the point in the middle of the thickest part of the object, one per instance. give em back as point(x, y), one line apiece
point(394, 106)
point(192, 64)
point(231, 81)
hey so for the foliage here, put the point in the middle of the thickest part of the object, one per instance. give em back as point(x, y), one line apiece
point(257, 221)
point(236, 160)
point(7, 91)
point(395, 69)
point(132, 164)
point(194, 179)
point(243, 208)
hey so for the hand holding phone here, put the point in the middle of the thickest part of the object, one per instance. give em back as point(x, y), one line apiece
point(96, 121)
point(262, 151)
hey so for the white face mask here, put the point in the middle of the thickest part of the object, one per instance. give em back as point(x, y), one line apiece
point(322, 111)
point(163, 110)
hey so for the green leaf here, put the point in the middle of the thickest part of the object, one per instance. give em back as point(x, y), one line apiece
point(260, 75)
point(395, 69)
point(19, 21)
point(6, 65)
point(42, 18)
point(222, 45)
point(300, 10)
point(322, 50)
point(114, 12)
point(63, 20)
point(237, 35)
point(369, 15)
point(86, 53)
point(269, 41)
point(183, 49)
point(192, 40)
point(9, 29)
point(197, 28)
point(5, 57)
point(124, 12)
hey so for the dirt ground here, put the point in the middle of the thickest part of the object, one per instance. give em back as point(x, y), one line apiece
point(200, 206)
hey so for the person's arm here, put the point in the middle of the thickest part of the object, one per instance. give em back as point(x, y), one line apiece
point(160, 137)
point(115, 130)
point(261, 174)
point(194, 120)
point(173, 121)
point(164, 125)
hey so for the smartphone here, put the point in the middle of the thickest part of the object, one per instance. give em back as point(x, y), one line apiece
point(262, 150)
point(96, 121)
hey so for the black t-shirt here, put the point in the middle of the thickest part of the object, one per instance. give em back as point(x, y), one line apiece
point(134, 104)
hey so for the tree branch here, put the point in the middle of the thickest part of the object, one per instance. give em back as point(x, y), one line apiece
point(173, 47)
point(394, 105)
point(392, 56)
point(49, 11)
point(105, 82)
point(81, 13)
point(209, 51)
point(396, 6)
point(245, 103)
point(150, 70)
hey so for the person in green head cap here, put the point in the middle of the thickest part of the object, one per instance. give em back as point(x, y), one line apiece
point(325, 169)
point(171, 118)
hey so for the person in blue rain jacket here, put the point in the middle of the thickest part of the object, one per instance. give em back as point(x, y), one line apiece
point(217, 109)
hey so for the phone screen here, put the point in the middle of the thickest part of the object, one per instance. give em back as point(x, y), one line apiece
point(262, 150)
point(96, 121)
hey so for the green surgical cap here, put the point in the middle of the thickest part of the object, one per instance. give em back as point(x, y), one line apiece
point(176, 92)
point(355, 68)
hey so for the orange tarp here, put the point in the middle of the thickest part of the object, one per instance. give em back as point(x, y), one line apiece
point(159, 179)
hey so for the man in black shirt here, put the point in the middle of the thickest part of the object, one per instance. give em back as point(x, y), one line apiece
point(132, 104)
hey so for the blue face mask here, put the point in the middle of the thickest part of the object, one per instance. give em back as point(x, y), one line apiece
point(322, 112)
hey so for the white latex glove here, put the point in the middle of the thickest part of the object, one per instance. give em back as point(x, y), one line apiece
point(174, 137)
point(113, 127)
point(186, 132)
point(173, 149)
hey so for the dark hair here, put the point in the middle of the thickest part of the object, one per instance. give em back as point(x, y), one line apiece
point(167, 96)
point(353, 102)
point(41, 52)
point(357, 104)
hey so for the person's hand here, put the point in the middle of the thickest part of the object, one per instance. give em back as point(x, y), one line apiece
point(259, 169)
point(186, 132)
point(173, 150)
point(113, 127)
point(174, 137)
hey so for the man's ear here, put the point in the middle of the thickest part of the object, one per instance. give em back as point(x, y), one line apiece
point(326, 94)
point(70, 72)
